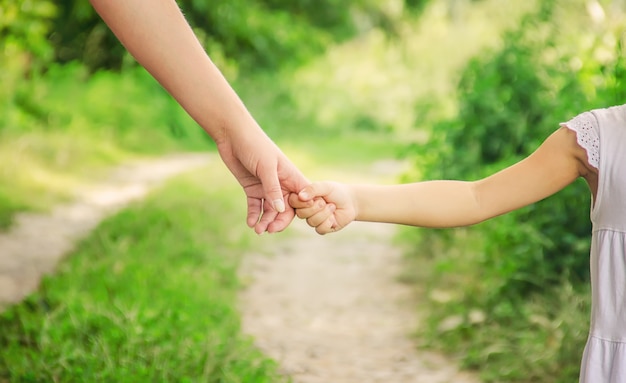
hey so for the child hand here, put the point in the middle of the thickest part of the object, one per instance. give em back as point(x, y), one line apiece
point(337, 209)
point(316, 211)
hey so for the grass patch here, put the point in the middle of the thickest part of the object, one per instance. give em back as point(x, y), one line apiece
point(64, 128)
point(43, 168)
point(538, 338)
point(149, 296)
point(9, 205)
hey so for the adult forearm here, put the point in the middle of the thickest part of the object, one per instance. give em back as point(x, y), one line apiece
point(425, 204)
point(156, 33)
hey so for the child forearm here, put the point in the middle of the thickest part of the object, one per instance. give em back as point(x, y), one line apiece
point(425, 204)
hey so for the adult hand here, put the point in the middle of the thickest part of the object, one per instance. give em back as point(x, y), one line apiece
point(267, 177)
point(159, 37)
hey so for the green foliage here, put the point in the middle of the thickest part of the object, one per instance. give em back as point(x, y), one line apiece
point(80, 35)
point(255, 36)
point(24, 26)
point(149, 296)
point(66, 125)
point(332, 15)
point(416, 5)
point(262, 33)
point(510, 100)
point(24, 49)
point(130, 106)
point(48, 61)
point(539, 339)
point(9, 205)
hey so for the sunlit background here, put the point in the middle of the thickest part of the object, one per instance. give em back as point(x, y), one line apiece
point(453, 88)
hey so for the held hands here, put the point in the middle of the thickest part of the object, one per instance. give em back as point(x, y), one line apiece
point(268, 179)
point(162, 41)
point(266, 175)
point(326, 206)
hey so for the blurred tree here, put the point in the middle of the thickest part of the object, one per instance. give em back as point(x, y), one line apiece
point(24, 50)
point(510, 100)
point(24, 26)
point(80, 35)
point(416, 5)
point(256, 33)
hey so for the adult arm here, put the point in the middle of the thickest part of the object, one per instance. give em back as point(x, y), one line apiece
point(156, 33)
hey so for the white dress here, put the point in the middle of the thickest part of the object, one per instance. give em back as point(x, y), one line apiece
point(602, 133)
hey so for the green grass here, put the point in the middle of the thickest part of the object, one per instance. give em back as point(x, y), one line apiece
point(150, 296)
point(538, 338)
point(62, 129)
point(41, 168)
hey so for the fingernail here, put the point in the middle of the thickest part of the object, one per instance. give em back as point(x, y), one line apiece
point(279, 205)
point(304, 195)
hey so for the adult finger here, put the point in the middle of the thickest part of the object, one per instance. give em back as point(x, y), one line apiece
point(317, 189)
point(281, 221)
point(296, 203)
point(269, 215)
point(255, 209)
point(292, 179)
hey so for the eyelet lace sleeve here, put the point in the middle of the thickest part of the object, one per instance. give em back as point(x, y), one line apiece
point(586, 127)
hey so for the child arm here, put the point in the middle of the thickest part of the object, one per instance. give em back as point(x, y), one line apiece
point(554, 165)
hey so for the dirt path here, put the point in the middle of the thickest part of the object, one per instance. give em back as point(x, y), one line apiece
point(36, 242)
point(331, 310)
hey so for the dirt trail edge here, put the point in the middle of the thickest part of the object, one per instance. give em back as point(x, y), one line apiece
point(36, 242)
point(330, 309)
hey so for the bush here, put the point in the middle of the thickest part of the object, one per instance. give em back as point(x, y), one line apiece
point(510, 100)
point(262, 33)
